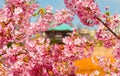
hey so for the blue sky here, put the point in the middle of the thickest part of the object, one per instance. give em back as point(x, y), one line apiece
point(114, 7)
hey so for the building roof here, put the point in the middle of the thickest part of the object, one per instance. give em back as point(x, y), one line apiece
point(62, 27)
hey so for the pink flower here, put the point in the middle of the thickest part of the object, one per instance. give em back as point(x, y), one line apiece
point(107, 7)
point(67, 41)
point(96, 72)
point(49, 9)
point(13, 59)
point(18, 10)
point(116, 52)
point(40, 70)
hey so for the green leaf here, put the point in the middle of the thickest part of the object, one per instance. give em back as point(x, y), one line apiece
point(99, 43)
point(9, 44)
point(35, 14)
point(107, 13)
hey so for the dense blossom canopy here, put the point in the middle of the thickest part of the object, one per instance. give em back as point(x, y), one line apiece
point(25, 52)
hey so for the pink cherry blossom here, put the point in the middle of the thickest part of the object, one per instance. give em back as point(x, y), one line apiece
point(18, 10)
point(25, 52)
point(49, 9)
point(85, 10)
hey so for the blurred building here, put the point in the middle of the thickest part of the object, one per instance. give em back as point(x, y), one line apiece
point(56, 34)
point(89, 34)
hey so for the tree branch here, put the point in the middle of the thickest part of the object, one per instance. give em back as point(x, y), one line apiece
point(108, 28)
point(89, 10)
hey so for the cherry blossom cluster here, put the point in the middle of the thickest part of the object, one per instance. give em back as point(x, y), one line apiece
point(15, 19)
point(77, 47)
point(22, 51)
point(36, 57)
point(50, 20)
point(104, 36)
point(25, 52)
point(116, 51)
point(15, 22)
point(109, 41)
point(86, 10)
point(109, 67)
point(90, 15)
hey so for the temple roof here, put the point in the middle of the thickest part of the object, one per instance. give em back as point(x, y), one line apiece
point(62, 27)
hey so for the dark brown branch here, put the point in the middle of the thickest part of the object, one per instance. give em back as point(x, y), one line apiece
point(89, 10)
point(108, 28)
point(8, 22)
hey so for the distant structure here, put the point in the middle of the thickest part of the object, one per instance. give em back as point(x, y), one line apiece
point(56, 34)
point(89, 34)
point(117, 30)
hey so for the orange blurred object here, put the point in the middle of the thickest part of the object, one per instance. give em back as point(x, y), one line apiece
point(86, 66)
